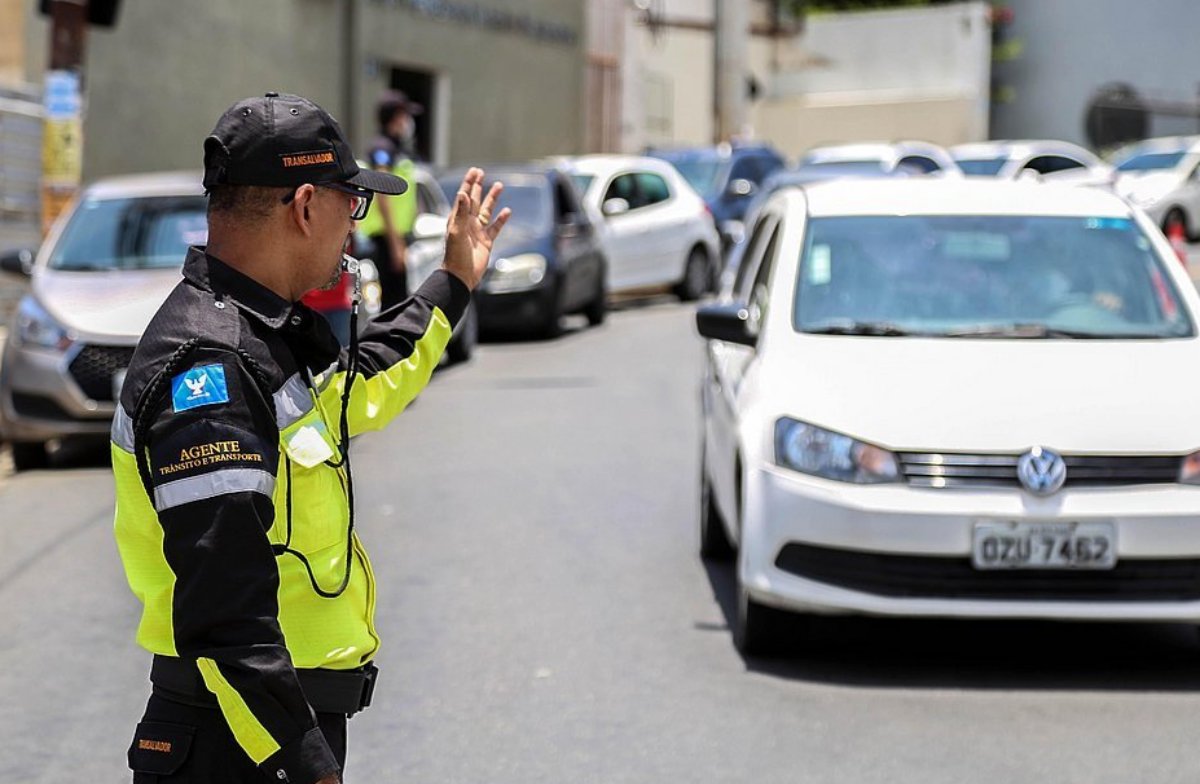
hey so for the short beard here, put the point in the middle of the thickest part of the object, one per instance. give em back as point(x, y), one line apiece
point(334, 279)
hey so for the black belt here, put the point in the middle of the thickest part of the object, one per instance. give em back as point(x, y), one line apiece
point(327, 691)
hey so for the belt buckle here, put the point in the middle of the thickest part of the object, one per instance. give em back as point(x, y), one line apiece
point(370, 673)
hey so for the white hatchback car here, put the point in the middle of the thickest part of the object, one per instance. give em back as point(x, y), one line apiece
point(945, 398)
point(1062, 161)
point(656, 231)
point(880, 158)
point(1162, 176)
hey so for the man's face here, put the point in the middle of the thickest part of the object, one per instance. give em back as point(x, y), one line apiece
point(332, 232)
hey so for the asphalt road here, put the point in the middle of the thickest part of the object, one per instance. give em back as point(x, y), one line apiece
point(546, 619)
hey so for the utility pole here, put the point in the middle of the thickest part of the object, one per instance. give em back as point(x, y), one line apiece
point(62, 140)
point(731, 50)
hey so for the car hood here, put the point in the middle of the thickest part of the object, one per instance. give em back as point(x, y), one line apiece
point(114, 304)
point(991, 395)
point(1147, 185)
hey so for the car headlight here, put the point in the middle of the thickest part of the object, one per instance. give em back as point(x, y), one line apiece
point(38, 328)
point(1189, 472)
point(516, 273)
point(813, 450)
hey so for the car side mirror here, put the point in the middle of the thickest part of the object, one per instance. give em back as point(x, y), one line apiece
point(18, 261)
point(741, 188)
point(727, 321)
point(615, 207)
point(428, 226)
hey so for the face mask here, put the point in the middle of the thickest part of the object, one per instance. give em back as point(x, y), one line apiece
point(409, 130)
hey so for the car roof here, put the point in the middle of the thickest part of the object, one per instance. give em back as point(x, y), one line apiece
point(882, 151)
point(921, 196)
point(1017, 148)
point(173, 183)
point(1160, 144)
point(723, 151)
point(601, 165)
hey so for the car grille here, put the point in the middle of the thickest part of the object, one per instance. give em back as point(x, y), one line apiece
point(94, 367)
point(928, 577)
point(38, 407)
point(951, 469)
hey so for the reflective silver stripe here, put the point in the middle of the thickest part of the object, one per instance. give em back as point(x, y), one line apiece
point(198, 488)
point(122, 429)
point(324, 377)
point(292, 401)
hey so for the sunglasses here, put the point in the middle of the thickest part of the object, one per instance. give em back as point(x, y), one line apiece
point(360, 200)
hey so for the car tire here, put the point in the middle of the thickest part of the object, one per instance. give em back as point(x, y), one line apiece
point(29, 455)
point(463, 346)
point(1174, 216)
point(696, 276)
point(759, 630)
point(597, 309)
point(551, 326)
point(714, 541)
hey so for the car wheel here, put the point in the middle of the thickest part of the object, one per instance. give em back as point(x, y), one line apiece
point(714, 541)
point(597, 309)
point(551, 326)
point(29, 455)
point(758, 630)
point(695, 277)
point(463, 345)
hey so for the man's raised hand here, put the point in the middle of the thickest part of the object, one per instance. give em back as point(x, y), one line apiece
point(472, 228)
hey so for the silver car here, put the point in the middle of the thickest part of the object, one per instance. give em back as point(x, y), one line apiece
point(102, 273)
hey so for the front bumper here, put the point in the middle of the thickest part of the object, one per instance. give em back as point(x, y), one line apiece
point(819, 546)
point(527, 309)
point(41, 400)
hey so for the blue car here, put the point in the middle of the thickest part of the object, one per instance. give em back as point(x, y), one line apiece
point(727, 176)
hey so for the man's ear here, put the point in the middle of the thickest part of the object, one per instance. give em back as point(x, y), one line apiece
point(300, 208)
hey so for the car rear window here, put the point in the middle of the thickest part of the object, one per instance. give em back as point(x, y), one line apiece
point(1151, 161)
point(993, 275)
point(981, 167)
point(134, 233)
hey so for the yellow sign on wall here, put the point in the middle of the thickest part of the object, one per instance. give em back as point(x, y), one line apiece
point(62, 152)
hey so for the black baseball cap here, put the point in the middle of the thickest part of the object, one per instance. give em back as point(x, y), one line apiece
point(282, 140)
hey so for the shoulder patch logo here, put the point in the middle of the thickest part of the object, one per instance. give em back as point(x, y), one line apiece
point(200, 386)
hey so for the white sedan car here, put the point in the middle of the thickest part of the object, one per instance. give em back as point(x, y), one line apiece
point(946, 398)
point(1162, 176)
point(656, 231)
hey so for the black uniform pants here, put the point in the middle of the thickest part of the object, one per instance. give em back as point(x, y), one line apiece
point(193, 745)
point(393, 283)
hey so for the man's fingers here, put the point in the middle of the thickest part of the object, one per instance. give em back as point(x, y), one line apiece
point(476, 189)
point(489, 202)
point(461, 210)
point(495, 226)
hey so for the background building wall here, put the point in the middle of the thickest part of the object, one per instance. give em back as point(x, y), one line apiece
point(1072, 47)
point(168, 69)
point(512, 94)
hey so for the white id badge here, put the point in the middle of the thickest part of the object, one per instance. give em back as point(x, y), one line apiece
point(308, 447)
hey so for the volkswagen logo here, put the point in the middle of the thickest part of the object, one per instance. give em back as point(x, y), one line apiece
point(1041, 471)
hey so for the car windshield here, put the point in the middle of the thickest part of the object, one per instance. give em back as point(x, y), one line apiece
point(530, 204)
point(985, 276)
point(702, 171)
point(1151, 161)
point(134, 233)
point(981, 167)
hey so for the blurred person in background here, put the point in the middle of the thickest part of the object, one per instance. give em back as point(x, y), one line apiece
point(389, 222)
point(230, 447)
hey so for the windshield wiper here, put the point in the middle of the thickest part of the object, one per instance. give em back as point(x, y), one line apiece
point(1033, 330)
point(885, 329)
